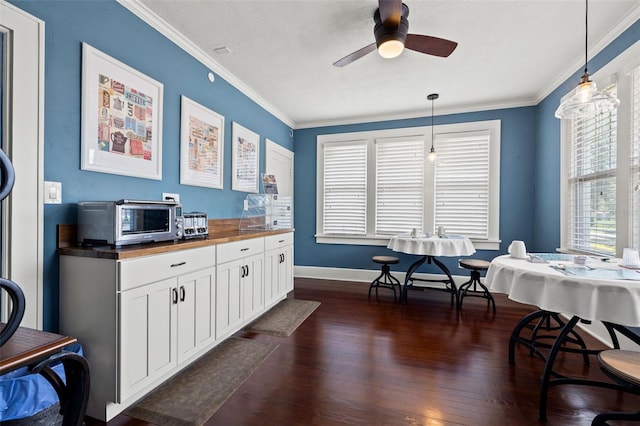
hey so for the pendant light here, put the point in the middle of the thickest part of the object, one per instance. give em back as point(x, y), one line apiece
point(586, 99)
point(432, 153)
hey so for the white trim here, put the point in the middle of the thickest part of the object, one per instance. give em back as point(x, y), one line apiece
point(365, 275)
point(160, 25)
point(23, 137)
point(493, 127)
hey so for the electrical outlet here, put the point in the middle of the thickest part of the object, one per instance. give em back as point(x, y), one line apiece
point(170, 196)
point(52, 192)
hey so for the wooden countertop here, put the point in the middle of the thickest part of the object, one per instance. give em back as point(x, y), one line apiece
point(137, 250)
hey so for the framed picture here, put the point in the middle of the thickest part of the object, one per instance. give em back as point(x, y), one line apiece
point(201, 145)
point(246, 153)
point(121, 118)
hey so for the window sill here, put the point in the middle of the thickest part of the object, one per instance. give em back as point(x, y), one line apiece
point(384, 241)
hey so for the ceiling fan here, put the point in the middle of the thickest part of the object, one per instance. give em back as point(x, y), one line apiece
point(391, 33)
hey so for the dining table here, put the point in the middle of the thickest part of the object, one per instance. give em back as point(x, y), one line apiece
point(429, 247)
point(566, 294)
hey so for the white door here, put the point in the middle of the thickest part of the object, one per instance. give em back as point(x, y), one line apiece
point(22, 140)
point(279, 162)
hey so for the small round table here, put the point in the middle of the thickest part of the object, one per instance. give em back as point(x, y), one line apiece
point(428, 248)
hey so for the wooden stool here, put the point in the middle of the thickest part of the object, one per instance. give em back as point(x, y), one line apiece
point(624, 368)
point(475, 265)
point(385, 279)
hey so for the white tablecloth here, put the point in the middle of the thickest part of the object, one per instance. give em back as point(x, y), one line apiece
point(613, 300)
point(432, 246)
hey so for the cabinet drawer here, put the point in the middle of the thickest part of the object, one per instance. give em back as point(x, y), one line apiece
point(135, 272)
point(239, 249)
point(276, 241)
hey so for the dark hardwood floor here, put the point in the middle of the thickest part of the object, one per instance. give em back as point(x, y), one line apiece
point(374, 362)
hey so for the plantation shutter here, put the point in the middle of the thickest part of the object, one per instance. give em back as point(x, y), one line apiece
point(399, 185)
point(462, 184)
point(634, 172)
point(345, 188)
point(592, 183)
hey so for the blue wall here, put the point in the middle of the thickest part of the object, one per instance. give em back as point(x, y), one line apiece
point(518, 139)
point(111, 28)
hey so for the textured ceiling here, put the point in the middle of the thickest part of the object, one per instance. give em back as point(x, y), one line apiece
point(510, 53)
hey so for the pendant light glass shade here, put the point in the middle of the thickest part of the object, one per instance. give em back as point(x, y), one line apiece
point(432, 152)
point(586, 100)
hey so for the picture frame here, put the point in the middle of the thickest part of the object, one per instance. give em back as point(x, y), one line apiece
point(201, 145)
point(121, 118)
point(245, 159)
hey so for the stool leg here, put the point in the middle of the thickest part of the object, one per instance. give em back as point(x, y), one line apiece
point(475, 281)
point(385, 279)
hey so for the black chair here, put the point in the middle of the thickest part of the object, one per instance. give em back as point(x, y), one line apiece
point(623, 367)
point(475, 266)
point(16, 296)
point(385, 279)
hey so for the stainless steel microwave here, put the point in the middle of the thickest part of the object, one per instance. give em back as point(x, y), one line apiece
point(125, 222)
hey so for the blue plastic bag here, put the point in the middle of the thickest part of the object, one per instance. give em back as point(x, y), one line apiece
point(23, 394)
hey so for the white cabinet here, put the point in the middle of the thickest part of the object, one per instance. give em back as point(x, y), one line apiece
point(142, 319)
point(278, 274)
point(196, 312)
point(166, 322)
point(138, 319)
point(239, 289)
point(147, 335)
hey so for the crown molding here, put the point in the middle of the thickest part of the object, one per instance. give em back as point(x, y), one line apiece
point(578, 63)
point(406, 115)
point(143, 12)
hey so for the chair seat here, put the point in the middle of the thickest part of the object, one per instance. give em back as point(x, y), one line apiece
point(474, 264)
point(622, 363)
point(386, 260)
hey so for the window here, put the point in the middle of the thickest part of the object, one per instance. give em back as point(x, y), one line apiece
point(592, 183)
point(634, 166)
point(372, 185)
point(462, 183)
point(600, 207)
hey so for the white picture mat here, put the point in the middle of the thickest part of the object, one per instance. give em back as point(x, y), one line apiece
point(93, 158)
point(212, 177)
point(245, 159)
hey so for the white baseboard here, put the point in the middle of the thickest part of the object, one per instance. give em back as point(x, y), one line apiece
point(362, 275)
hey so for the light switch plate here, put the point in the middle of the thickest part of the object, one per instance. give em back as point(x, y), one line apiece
point(52, 192)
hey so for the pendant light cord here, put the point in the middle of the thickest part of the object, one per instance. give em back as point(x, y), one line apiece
point(586, 33)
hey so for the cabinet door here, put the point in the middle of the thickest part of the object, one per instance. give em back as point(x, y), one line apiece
point(228, 297)
point(252, 287)
point(285, 283)
point(147, 331)
point(271, 270)
point(196, 312)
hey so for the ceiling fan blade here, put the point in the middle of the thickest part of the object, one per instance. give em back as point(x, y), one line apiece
point(390, 12)
point(430, 45)
point(355, 55)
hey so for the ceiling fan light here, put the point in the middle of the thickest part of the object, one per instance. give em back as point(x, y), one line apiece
point(391, 48)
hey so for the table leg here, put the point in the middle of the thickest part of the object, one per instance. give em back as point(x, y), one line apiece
point(412, 269)
point(453, 289)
